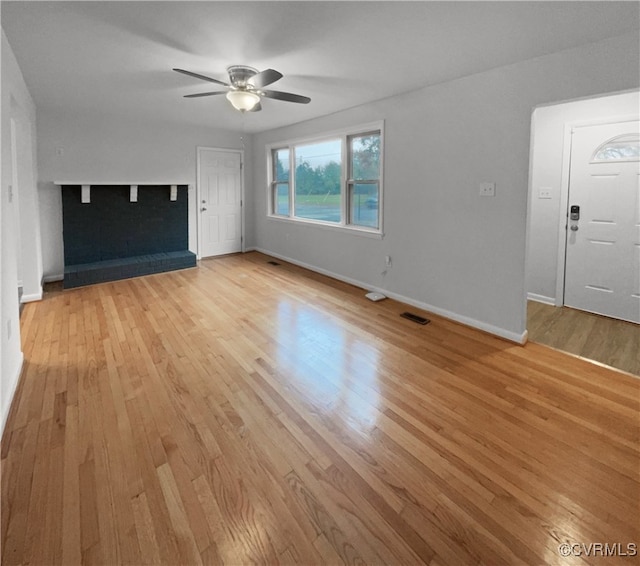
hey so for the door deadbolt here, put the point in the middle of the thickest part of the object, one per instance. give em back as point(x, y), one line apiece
point(574, 212)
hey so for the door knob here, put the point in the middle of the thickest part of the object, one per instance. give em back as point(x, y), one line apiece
point(203, 209)
point(574, 227)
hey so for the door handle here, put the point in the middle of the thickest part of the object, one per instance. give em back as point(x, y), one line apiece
point(574, 227)
point(203, 209)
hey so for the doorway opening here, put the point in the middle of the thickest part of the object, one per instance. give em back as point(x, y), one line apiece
point(553, 237)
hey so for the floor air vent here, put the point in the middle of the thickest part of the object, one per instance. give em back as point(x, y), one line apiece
point(273, 263)
point(415, 318)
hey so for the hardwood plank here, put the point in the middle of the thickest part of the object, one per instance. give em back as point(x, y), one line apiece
point(145, 532)
point(185, 537)
point(71, 519)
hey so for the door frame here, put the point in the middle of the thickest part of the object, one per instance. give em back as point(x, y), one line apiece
point(569, 127)
point(199, 149)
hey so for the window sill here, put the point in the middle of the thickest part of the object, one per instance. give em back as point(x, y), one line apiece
point(356, 231)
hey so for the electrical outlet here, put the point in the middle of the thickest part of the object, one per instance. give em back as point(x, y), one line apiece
point(487, 189)
point(544, 193)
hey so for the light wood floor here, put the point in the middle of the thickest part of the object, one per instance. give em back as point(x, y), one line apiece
point(247, 413)
point(615, 343)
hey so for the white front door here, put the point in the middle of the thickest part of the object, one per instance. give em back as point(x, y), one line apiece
point(602, 273)
point(219, 201)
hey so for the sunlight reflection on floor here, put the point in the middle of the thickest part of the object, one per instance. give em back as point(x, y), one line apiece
point(338, 370)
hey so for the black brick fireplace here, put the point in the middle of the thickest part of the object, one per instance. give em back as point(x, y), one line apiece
point(119, 231)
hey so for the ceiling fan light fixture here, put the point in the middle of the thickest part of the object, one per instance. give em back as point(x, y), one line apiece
point(243, 100)
point(246, 87)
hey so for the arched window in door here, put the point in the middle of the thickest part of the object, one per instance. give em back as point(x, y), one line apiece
point(621, 148)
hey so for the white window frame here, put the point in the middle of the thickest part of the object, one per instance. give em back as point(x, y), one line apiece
point(344, 135)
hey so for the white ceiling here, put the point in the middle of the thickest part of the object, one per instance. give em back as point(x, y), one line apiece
point(115, 58)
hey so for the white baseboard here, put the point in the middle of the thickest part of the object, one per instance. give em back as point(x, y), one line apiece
point(495, 330)
point(541, 299)
point(6, 403)
point(31, 297)
point(52, 278)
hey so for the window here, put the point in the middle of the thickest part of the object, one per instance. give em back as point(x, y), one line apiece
point(317, 181)
point(364, 179)
point(335, 181)
point(281, 181)
point(620, 148)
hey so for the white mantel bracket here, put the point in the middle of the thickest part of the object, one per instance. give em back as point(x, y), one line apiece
point(85, 195)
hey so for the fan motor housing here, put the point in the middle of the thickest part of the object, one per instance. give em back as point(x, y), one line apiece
point(240, 74)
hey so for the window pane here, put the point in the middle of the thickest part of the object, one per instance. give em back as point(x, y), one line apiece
point(364, 203)
point(621, 148)
point(318, 178)
point(281, 204)
point(281, 164)
point(365, 156)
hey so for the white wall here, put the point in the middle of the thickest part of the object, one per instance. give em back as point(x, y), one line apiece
point(25, 186)
point(547, 169)
point(16, 104)
point(101, 148)
point(453, 252)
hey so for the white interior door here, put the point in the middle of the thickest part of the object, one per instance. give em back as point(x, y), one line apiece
point(603, 240)
point(219, 201)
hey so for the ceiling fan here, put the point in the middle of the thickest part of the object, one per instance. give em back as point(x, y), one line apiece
point(245, 87)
